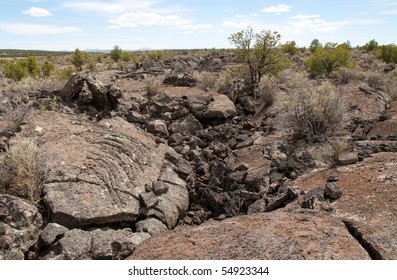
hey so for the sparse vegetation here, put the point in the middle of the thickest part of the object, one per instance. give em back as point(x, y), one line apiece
point(21, 170)
point(388, 53)
point(318, 113)
point(325, 60)
point(205, 80)
point(371, 45)
point(260, 53)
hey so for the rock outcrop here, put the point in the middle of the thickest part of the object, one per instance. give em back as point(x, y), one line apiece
point(20, 225)
point(367, 205)
point(279, 235)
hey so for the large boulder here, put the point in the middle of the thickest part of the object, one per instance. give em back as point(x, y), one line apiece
point(202, 104)
point(97, 173)
point(279, 235)
point(89, 90)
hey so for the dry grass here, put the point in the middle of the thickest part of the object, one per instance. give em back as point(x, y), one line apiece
point(21, 170)
point(205, 80)
point(266, 90)
point(375, 80)
point(347, 75)
point(317, 113)
point(153, 86)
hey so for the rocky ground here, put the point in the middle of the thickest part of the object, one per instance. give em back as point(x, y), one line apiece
point(127, 172)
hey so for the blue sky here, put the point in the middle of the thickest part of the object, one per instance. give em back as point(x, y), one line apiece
point(178, 24)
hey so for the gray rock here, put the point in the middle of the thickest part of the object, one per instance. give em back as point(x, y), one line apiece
point(312, 199)
point(158, 127)
point(348, 158)
point(152, 226)
point(51, 233)
point(89, 90)
point(97, 244)
point(332, 191)
point(188, 126)
point(20, 226)
point(148, 200)
point(97, 170)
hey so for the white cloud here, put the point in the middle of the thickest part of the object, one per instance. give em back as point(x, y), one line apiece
point(198, 27)
point(37, 29)
point(136, 19)
point(314, 23)
point(390, 12)
point(279, 9)
point(244, 16)
point(37, 12)
point(304, 17)
point(94, 6)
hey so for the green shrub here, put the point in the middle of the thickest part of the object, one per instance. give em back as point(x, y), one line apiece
point(370, 46)
point(116, 53)
point(65, 73)
point(314, 45)
point(325, 60)
point(388, 53)
point(79, 58)
point(33, 66)
point(16, 70)
point(48, 68)
point(260, 54)
point(290, 47)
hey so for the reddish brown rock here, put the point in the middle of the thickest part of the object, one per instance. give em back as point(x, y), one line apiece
point(279, 235)
point(368, 204)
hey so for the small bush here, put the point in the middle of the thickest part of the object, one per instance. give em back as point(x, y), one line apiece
point(388, 53)
point(225, 82)
point(153, 87)
point(346, 75)
point(205, 80)
point(370, 46)
point(48, 68)
point(391, 85)
point(116, 53)
point(326, 60)
point(16, 71)
point(266, 91)
point(21, 172)
point(318, 113)
point(290, 47)
point(375, 80)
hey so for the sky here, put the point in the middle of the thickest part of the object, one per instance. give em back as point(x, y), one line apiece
point(187, 24)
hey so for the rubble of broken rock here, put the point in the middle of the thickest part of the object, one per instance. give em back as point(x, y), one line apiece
point(124, 168)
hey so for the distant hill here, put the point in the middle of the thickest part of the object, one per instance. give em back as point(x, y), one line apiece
point(26, 53)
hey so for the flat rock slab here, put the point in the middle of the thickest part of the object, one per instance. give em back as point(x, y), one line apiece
point(279, 235)
point(96, 172)
point(368, 202)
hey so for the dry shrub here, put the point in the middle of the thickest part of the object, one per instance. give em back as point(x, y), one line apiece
point(153, 86)
point(347, 75)
point(291, 79)
point(205, 80)
point(318, 113)
point(375, 80)
point(266, 90)
point(21, 170)
point(225, 82)
point(391, 85)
